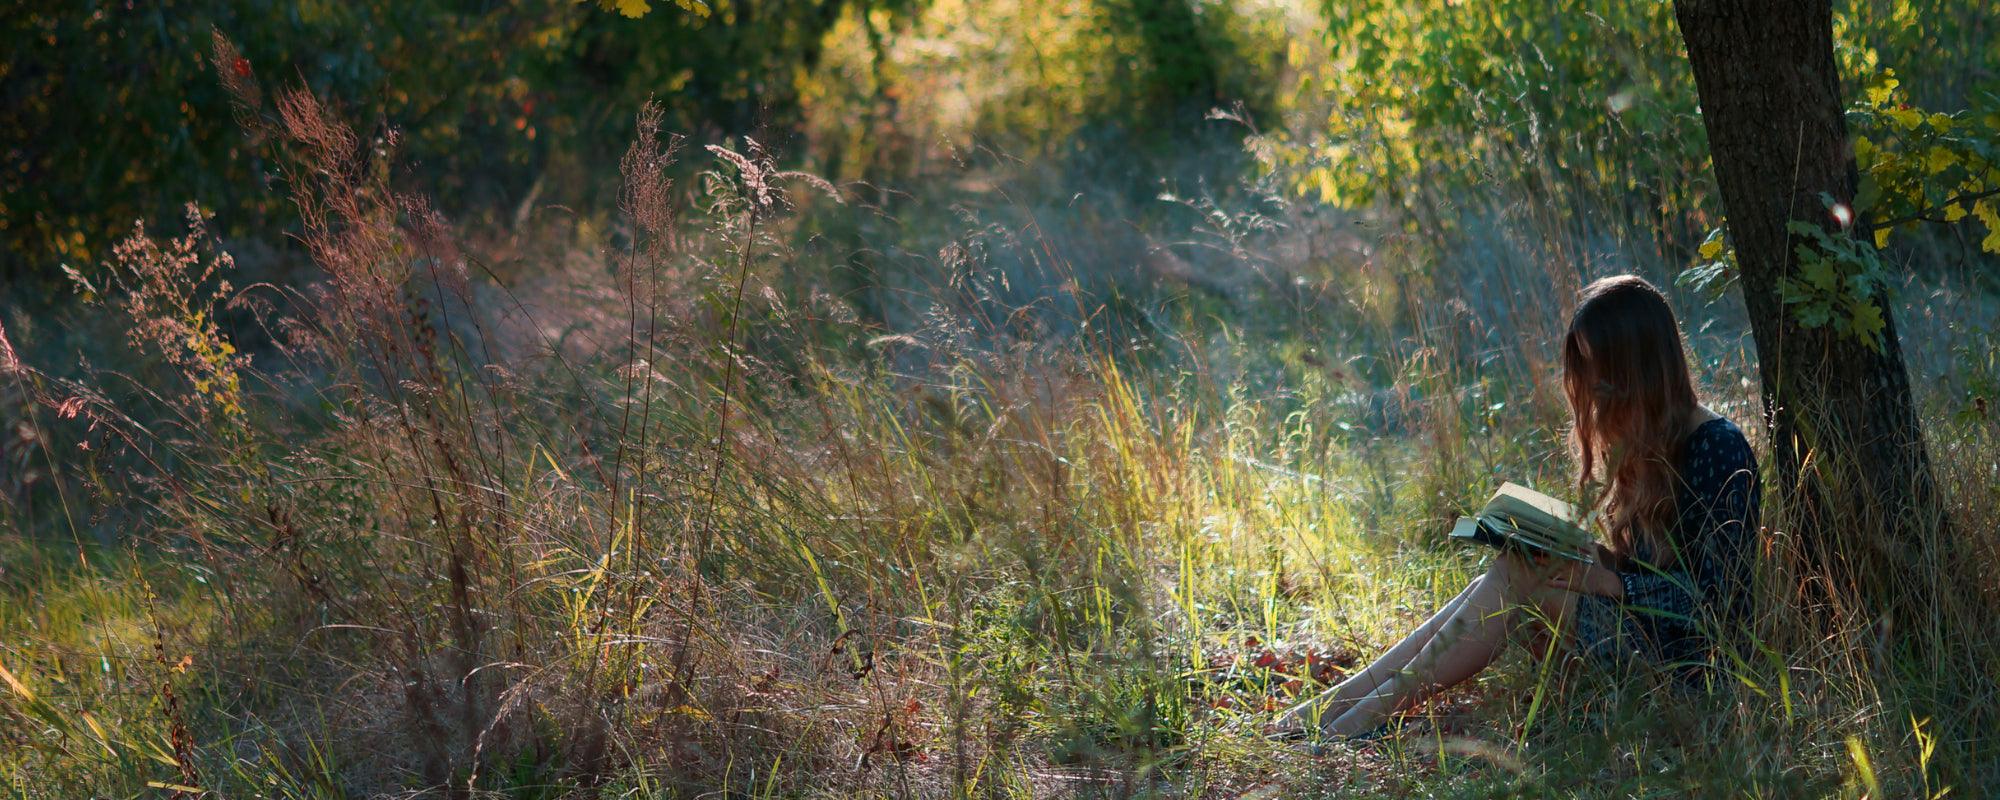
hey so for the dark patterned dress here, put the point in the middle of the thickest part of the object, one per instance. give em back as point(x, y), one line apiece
point(1670, 614)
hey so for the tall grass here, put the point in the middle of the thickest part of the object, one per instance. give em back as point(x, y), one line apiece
point(1067, 512)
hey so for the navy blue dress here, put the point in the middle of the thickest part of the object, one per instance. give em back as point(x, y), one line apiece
point(1670, 613)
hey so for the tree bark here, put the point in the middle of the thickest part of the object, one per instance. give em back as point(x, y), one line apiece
point(1849, 456)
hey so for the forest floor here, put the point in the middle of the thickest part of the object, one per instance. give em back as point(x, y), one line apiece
point(1056, 504)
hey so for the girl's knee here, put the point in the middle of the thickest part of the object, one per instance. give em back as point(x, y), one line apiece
point(1500, 572)
point(1510, 576)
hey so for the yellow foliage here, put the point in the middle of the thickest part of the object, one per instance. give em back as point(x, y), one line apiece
point(1938, 160)
point(1990, 215)
point(1906, 118)
point(1879, 92)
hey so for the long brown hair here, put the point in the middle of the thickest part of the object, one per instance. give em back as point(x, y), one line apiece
point(1625, 375)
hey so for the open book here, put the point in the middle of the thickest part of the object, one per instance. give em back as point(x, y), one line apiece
point(1520, 518)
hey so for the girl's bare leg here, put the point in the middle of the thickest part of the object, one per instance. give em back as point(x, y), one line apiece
point(1466, 643)
point(1330, 704)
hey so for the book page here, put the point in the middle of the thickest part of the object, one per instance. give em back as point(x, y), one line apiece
point(1538, 520)
point(1538, 501)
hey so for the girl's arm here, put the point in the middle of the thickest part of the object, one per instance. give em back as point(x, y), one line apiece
point(1713, 565)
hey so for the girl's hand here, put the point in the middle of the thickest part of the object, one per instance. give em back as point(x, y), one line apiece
point(1588, 579)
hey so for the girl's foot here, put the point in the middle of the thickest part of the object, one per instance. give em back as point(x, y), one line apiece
point(1317, 743)
point(1287, 728)
point(1296, 721)
point(1292, 729)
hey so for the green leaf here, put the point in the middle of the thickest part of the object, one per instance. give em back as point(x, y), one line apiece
point(1806, 229)
point(1867, 325)
point(1860, 285)
point(1790, 292)
point(1868, 193)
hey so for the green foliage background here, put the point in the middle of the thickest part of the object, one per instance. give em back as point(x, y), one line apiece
point(115, 114)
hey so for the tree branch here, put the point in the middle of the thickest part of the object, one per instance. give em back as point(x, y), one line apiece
point(1969, 197)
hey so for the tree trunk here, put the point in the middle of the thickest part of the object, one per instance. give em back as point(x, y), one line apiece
point(1847, 450)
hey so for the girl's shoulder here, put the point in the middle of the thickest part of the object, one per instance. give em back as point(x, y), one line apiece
point(1719, 443)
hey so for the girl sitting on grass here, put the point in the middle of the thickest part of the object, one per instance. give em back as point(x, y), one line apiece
point(1680, 511)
